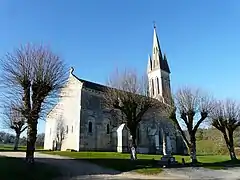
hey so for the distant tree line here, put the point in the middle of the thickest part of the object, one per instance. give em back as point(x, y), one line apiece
point(9, 139)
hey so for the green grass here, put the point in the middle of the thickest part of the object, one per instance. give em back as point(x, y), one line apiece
point(148, 171)
point(215, 162)
point(16, 168)
point(9, 147)
point(218, 162)
point(146, 164)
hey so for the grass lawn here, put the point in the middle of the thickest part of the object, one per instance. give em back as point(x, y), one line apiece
point(17, 169)
point(217, 162)
point(9, 147)
point(146, 164)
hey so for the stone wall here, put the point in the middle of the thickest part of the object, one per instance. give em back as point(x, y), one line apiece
point(99, 137)
point(92, 111)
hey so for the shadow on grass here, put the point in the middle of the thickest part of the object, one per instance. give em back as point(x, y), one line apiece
point(105, 166)
point(12, 168)
point(123, 165)
point(220, 165)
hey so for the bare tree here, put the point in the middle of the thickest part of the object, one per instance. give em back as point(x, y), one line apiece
point(226, 118)
point(128, 93)
point(40, 140)
point(193, 108)
point(60, 132)
point(13, 119)
point(34, 75)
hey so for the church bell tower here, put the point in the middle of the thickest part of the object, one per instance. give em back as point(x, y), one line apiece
point(158, 72)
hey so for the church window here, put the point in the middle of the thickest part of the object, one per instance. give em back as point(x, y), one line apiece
point(67, 129)
point(72, 129)
point(108, 129)
point(152, 87)
point(158, 89)
point(90, 127)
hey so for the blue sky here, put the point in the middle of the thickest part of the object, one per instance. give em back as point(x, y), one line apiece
point(201, 38)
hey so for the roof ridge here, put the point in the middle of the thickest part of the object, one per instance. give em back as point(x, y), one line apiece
point(90, 84)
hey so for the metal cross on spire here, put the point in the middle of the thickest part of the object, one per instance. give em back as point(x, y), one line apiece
point(154, 24)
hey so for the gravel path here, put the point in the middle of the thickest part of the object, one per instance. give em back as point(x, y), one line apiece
point(76, 170)
point(204, 173)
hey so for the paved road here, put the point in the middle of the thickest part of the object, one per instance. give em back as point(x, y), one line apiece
point(76, 170)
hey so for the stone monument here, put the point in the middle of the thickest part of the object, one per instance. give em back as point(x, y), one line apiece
point(122, 139)
point(167, 157)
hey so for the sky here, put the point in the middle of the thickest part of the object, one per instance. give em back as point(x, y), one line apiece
point(200, 38)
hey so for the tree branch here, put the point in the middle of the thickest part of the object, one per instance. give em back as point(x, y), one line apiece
point(203, 117)
point(24, 129)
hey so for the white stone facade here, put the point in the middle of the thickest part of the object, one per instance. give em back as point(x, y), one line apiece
point(69, 108)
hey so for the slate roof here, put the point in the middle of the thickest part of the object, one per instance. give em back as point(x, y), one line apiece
point(91, 85)
point(164, 66)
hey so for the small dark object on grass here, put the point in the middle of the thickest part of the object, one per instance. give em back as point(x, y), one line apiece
point(183, 161)
point(169, 162)
point(71, 150)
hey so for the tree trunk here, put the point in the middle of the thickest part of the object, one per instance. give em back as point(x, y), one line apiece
point(192, 149)
point(230, 145)
point(232, 153)
point(16, 141)
point(231, 148)
point(31, 139)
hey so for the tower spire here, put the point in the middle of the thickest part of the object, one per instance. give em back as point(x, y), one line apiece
point(158, 71)
point(156, 50)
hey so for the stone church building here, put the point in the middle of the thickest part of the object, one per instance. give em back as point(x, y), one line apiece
point(90, 127)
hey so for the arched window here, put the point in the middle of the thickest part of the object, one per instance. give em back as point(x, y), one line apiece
point(90, 127)
point(67, 129)
point(152, 87)
point(158, 89)
point(108, 129)
point(72, 129)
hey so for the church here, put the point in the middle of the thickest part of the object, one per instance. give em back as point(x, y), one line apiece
point(88, 126)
